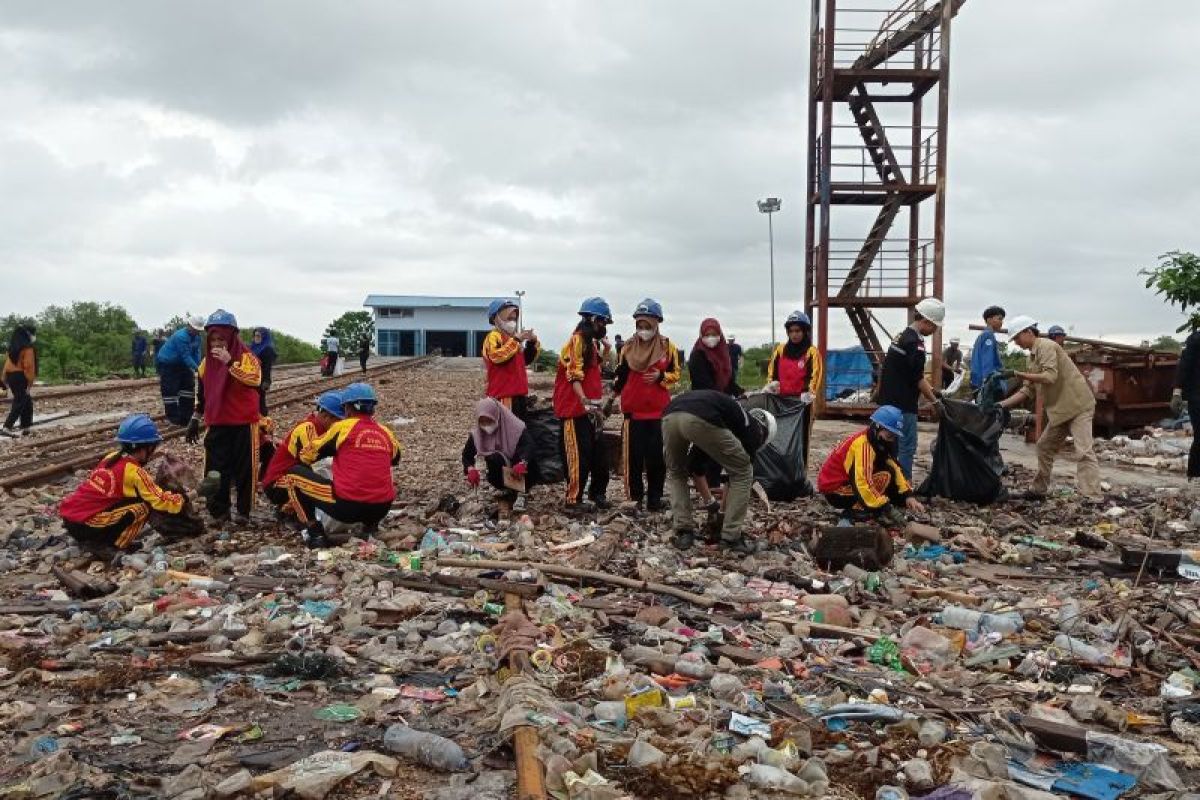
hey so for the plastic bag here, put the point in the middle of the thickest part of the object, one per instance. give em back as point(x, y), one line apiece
point(966, 456)
point(546, 430)
point(780, 466)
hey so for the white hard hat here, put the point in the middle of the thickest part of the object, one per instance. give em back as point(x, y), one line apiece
point(195, 322)
point(768, 419)
point(933, 310)
point(955, 340)
point(1020, 323)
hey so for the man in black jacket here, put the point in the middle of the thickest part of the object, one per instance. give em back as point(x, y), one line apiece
point(1187, 392)
point(715, 423)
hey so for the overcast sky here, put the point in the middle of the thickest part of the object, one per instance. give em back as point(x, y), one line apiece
point(285, 159)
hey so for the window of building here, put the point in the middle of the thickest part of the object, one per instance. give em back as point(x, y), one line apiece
point(395, 312)
point(397, 343)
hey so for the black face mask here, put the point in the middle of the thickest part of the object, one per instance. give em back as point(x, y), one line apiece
point(598, 329)
point(875, 437)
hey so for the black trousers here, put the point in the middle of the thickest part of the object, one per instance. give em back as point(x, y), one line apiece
point(643, 444)
point(232, 450)
point(309, 491)
point(848, 500)
point(1193, 468)
point(178, 386)
point(517, 405)
point(119, 526)
point(586, 459)
point(139, 366)
point(362, 361)
point(22, 403)
point(495, 474)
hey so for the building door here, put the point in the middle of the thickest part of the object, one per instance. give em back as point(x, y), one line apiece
point(451, 343)
point(479, 337)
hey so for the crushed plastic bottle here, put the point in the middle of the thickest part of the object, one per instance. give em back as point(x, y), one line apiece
point(966, 619)
point(425, 748)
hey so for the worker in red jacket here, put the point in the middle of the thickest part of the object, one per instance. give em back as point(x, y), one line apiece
point(578, 388)
point(862, 477)
point(363, 453)
point(111, 507)
point(648, 367)
point(282, 476)
point(507, 351)
point(228, 402)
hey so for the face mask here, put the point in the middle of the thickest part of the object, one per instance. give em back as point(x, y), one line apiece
point(599, 330)
point(645, 335)
point(509, 326)
point(711, 341)
point(489, 428)
point(32, 338)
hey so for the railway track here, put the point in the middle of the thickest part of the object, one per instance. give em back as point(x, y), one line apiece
point(85, 446)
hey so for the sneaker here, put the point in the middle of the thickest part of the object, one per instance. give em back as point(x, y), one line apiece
point(683, 540)
point(210, 485)
point(519, 504)
point(241, 520)
point(601, 503)
point(10, 433)
point(582, 507)
point(314, 537)
point(1029, 495)
point(657, 504)
point(713, 507)
point(739, 546)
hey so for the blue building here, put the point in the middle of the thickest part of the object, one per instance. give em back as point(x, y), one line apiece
point(416, 325)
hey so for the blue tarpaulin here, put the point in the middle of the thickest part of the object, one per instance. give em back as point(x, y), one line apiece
point(847, 369)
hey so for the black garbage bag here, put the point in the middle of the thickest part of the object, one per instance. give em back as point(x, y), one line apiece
point(966, 456)
point(779, 466)
point(546, 430)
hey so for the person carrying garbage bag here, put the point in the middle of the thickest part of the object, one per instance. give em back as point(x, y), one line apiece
point(718, 425)
point(279, 480)
point(110, 508)
point(503, 442)
point(363, 452)
point(862, 477)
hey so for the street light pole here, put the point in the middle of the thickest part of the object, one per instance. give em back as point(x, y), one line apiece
point(769, 207)
point(520, 293)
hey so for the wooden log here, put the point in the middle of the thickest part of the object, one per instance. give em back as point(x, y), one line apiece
point(81, 584)
point(531, 783)
point(1056, 736)
point(582, 574)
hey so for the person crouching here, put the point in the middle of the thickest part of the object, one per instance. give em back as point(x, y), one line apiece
point(363, 452)
point(502, 441)
point(862, 477)
point(282, 474)
point(111, 507)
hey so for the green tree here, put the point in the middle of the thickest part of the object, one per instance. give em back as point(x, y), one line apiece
point(1177, 279)
point(84, 341)
point(290, 349)
point(351, 328)
point(1168, 344)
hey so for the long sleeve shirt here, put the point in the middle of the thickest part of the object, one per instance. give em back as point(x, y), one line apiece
point(851, 469)
point(26, 364)
point(1065, 392)
point(721, 410)
point(701, 373)
point(985, 358)
point(183, 347)
point(523, 452)
point(1187, 374)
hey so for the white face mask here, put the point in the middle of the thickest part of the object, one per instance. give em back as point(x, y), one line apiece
point(32, 338)
point(711, 341)
point(509, 326)
point(645, 334)
point(488, 428)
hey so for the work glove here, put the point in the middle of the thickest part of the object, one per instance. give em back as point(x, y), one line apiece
point(807, 398)
point(1007, 374)
point(193, 430)
point(520, 469)
point(473, 476)
point(772, 387)
point(1178, 406)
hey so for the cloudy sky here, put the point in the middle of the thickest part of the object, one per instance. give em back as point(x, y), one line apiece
point(285, 159)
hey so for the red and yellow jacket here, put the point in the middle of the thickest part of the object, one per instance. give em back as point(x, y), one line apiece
point(107, 485)
point(287, 455)
point(505, 358)
point(572, 369)
point(797, 376)
point(851, 466)
point(364, 453)
point(641, 400)
point(240, 405)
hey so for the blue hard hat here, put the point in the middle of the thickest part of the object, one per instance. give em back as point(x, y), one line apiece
point(221, 317)
point(359, 393)
point(889, 418)
point(138, 429)
point(596, 307)
point(331, 403)
point(1056, 330)
point(797, 317)
point(649, 308)
point(496, 306)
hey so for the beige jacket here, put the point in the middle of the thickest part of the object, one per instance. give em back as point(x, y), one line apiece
point(1068, 394)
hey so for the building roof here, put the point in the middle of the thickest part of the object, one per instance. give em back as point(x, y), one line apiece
point(424, 301)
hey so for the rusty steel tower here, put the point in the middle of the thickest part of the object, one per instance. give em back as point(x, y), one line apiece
point(877, 113)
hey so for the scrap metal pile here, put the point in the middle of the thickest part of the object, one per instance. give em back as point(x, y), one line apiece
point(1011, 651)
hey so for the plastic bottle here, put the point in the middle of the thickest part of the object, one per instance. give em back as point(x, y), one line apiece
point(764, 776)
point(890, 793)
point(611, 711)
point(1079, 650)
point(425, 748)
point(966, 619)
point(693, 667)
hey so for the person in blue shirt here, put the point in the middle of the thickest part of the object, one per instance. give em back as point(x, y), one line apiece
point(985, 355)
point(177, 362)
point(138, 352)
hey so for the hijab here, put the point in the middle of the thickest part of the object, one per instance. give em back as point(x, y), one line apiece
point(21, 338)
point(267, 343)
point(718, 357)
point(798, 351)
point(503, 440)
point(216, 375)
point(641, 353)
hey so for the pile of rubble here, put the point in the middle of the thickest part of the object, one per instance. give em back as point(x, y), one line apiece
point(1159, 449)
point(1016, 651)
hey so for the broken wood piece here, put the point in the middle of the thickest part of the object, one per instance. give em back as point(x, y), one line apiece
point(738, 655)
point(81, 584)
point(822, 630)
point(531, 783)
point(565, 546)
point(214, 660)
point(1056, 736)
point(919, 531)
point(961, 598)
point(582, 574)
point(868, 547)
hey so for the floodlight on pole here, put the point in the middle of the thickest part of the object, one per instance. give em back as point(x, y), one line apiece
point(769, 207)
point(520, 293)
